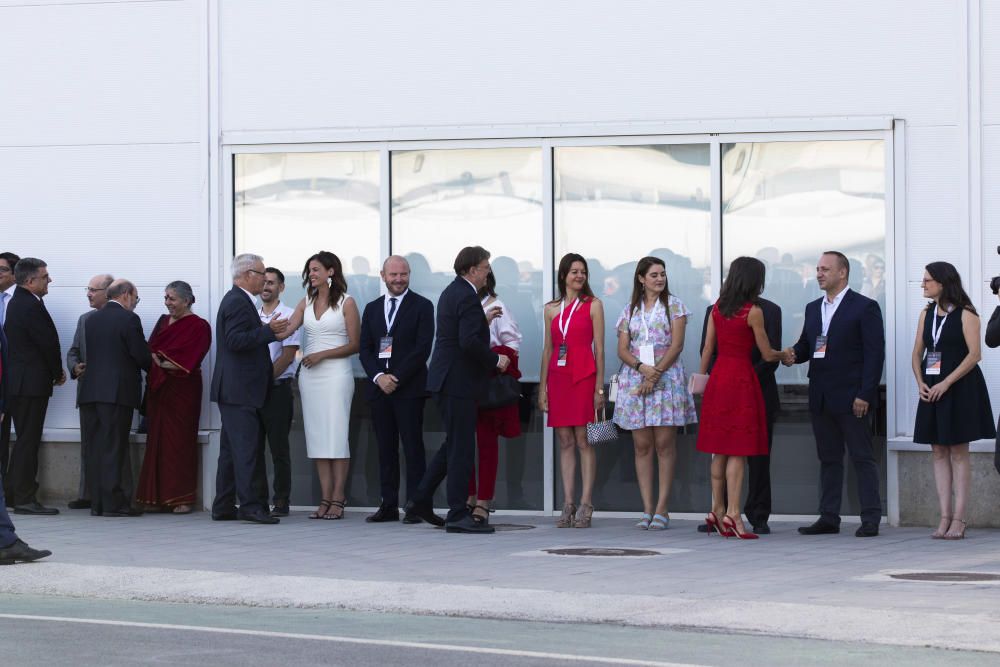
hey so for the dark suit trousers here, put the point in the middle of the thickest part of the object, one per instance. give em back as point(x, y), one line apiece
point(7, 534)
point(241, 439)
point(832, 433)
point(21, 481)
point(107, 435)
point(5, 437)
point(276, 417)
point(758, 503)
point(399, 419)
point(84, 491)
point(456, 458)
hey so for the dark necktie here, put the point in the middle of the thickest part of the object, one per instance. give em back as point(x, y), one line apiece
point(392, 309)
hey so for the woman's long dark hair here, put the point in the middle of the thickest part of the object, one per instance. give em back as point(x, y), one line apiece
point(952, 293)
point(744, 284)
point(565, 264)
point(641, 269)
point(338, 285)
point(490, 288)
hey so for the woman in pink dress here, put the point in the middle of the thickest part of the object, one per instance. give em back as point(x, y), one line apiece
point(571, 386)
point(733, 424)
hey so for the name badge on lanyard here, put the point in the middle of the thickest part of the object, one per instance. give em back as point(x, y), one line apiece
point(822, 341)
point(563, 328)
point(646, 349)
point(819, 352)
point(385, 347)
point(932, 365)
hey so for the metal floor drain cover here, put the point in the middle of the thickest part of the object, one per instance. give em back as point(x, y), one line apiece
point(958, 577)
point(511, 526)
point(595, 551)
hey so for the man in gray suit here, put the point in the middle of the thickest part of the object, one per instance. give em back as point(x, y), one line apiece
point(76, 362)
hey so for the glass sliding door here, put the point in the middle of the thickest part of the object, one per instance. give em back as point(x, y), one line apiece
point(614, 205)
point(444, 200)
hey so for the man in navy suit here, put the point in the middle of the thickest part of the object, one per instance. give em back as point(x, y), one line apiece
point(12, 549)
point(240, 382)
point(459, 374)
point(397, 331)
point(844, 342)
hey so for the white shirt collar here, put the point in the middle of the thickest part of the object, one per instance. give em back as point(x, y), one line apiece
point(837, 299)
point(399, 298)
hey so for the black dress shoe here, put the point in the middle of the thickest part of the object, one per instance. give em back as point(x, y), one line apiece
point(867, 529)
point(79, 504)
point(35, 507)
point(468, 525)
point(125, 511)
point(761, 528)
point(416, 512)
point(260, 517)
point(280, 510)
point(224, 516)
point(819, 528)
point(383, 514)
point(19, 551)
point(703, 527)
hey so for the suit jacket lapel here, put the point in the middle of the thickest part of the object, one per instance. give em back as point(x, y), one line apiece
point(844, 303)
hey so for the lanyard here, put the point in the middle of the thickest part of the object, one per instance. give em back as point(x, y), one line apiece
point(936, 330)
point(395, 313)
point(564, 328)
point(644, 321)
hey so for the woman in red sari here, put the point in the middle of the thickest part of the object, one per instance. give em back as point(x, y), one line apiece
point(179, 342)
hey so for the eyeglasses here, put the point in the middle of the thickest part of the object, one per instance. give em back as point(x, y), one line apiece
point(259, 273)
point(95, 290)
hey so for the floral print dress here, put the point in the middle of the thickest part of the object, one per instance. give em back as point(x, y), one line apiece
point(669, 404)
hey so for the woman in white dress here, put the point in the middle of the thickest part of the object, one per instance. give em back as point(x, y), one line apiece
point(331, 329)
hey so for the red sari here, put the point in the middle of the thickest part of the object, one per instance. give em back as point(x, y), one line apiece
point(169, 474)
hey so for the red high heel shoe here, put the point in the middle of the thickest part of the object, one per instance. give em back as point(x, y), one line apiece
point(729, 523)
point(712, 521)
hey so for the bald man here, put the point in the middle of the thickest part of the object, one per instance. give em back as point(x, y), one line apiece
point(397, 331)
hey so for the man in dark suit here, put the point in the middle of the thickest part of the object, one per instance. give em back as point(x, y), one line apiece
point(12, 549)
point(397, 331)
point(758, 502)
point(8, 261)
point(110, 391)
point(993, 340)
point(35, 365)
point(459, 375)
point(240, 382)
point(76, 363)
point(844, 342)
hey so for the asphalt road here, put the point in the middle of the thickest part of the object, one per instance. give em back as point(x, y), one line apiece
point(60, 631)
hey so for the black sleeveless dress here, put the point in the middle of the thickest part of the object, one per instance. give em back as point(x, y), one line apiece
point(964, 413)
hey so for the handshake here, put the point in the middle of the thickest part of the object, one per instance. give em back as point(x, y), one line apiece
point(788, 356)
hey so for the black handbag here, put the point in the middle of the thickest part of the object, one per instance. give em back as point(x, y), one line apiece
point(503, 390)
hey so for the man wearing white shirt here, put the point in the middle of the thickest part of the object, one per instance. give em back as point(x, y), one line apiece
point(278, 409)
point(7, 287)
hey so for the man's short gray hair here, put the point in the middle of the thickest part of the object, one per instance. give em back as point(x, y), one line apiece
point(243, 263)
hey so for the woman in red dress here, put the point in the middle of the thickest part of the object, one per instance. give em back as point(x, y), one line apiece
point(732, 424)
point(179, 342)
point(571, 386)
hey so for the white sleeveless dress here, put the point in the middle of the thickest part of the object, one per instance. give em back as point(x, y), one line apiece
point(328, 387)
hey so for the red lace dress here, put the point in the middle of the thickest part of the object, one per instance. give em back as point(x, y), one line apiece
point(732, 410)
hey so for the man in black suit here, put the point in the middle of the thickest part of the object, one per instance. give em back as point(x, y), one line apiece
point(110, 391)
point(397, 331)
point(8, 261)
point(993, 340)
point(459, 375)
point(758, 503)
point(844, 341)
point(240, 382)
point(35, 365)
point(12, 549)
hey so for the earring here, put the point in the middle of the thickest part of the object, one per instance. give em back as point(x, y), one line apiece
point(329, 281)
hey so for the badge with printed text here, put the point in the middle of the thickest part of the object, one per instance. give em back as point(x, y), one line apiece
point(646, 354)
point(819, 352)
point(385, 347)
point(561, 359)
point(933, 366)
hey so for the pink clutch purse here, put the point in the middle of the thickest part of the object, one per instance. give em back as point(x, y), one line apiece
point(697, 383)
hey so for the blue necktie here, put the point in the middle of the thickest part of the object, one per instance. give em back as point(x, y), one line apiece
point(392, 310)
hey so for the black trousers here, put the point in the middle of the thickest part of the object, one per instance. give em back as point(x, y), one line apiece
point(757, 507)
point(5, 437)
point(833, 432)
point(242, 438)
point(276, 420)
point(456, 457)
point(21, 481)
point(127, 484)
point(399, 419)
point(107, 429)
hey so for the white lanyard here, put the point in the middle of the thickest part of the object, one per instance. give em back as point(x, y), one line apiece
point(564, 328)
point(935, 329)
point(644, 321)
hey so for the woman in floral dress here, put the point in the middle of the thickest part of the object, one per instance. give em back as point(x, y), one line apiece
point(653, 399)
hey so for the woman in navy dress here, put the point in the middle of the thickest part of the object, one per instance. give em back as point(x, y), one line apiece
point(954, 406)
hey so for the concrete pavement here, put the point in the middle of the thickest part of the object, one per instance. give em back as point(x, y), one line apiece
point(835, 587)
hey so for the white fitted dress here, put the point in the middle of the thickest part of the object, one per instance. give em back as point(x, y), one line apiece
point(328, 387)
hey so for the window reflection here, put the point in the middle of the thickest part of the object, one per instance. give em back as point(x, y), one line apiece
point(786, 202)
